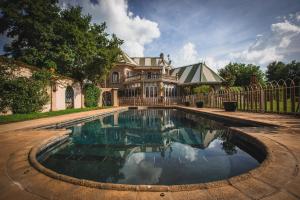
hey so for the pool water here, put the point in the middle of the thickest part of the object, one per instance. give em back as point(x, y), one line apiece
point(151, 146)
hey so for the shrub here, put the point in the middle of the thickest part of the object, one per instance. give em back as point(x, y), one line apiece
point(25, 95)
point(202, 89)
point(91, 95)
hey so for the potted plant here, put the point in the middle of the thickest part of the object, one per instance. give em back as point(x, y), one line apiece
point(230, 106)
point(199, 104)
point(187, 103)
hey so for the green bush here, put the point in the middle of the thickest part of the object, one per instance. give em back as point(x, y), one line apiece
point(202, 89)
point(24, 95)
point(91, 95)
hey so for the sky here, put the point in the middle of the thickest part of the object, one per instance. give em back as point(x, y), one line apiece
point(212, 31)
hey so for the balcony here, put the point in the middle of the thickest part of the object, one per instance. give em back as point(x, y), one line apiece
point(151, 78)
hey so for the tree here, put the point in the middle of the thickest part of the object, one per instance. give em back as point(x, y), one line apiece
point(239, 74)
point(44, 35)
point(279, 70)
point(30, 25)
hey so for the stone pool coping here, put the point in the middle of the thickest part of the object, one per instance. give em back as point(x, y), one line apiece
point(154, 188)
point(278, 179)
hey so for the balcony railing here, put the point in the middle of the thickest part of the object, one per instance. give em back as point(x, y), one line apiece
point(152, 77)
point(148, 101)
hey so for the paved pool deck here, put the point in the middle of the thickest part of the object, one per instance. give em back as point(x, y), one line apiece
point(277, 178)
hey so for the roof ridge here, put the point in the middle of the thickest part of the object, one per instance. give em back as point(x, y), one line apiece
point(189, 65)
point(215, 73)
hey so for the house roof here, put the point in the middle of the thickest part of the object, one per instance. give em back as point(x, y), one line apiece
point(125, 59)
point(198, 73)
point(151, 61)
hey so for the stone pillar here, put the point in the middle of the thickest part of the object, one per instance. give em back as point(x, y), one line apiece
point(161, 89)
point(143, 95)
point(115, 98)
point(82, 96)
point(100, 102)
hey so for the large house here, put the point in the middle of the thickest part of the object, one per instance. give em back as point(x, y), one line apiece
point(156, 77)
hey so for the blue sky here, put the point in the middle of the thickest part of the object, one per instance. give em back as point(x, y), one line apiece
point(214, 31)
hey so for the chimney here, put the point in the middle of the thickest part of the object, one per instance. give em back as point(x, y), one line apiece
point(161, 56)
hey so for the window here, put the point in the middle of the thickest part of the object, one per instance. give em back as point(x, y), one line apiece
point(151, 91)
point(115, 77)
point(147, 91)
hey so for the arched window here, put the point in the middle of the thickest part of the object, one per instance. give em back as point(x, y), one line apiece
point(69, 97)
point(106, 98)
point(115, 77)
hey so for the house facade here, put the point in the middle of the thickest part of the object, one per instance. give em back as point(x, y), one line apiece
point(149, 77)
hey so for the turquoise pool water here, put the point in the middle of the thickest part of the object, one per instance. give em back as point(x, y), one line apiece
point(153, 146)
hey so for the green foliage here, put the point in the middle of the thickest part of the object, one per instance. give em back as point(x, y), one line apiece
point(22, 94)
point(25, 95)
point(238, 74)
point(279, 70)
point(45, 35)
point(202, 89)
point(91, 95)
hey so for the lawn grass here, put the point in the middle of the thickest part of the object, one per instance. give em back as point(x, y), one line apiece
point(281, 106)
point(4, 119)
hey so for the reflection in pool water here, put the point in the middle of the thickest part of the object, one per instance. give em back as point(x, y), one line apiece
point(153, 146)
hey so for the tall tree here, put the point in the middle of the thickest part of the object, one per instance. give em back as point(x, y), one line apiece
point(30, 25)
point(44, 35)
point(239, 74)
point(279, 70)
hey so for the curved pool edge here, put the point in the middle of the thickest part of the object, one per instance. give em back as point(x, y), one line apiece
point(263, 146)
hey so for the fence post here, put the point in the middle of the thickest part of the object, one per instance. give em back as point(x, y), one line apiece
point(292, 94)
point(277, 98)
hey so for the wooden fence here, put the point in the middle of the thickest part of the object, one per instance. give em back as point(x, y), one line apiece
point(273, 97)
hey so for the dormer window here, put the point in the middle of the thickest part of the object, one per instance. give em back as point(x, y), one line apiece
point(115, 77)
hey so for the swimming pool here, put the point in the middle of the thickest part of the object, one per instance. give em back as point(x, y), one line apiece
point(152, 147)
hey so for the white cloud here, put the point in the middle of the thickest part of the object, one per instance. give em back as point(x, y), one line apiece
point(215, 63)
point(285, 27)
point(298, 16)
point(187, 55)
point(134, 30)
point(261, 57)
point(189, 52)
point(273, 47)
